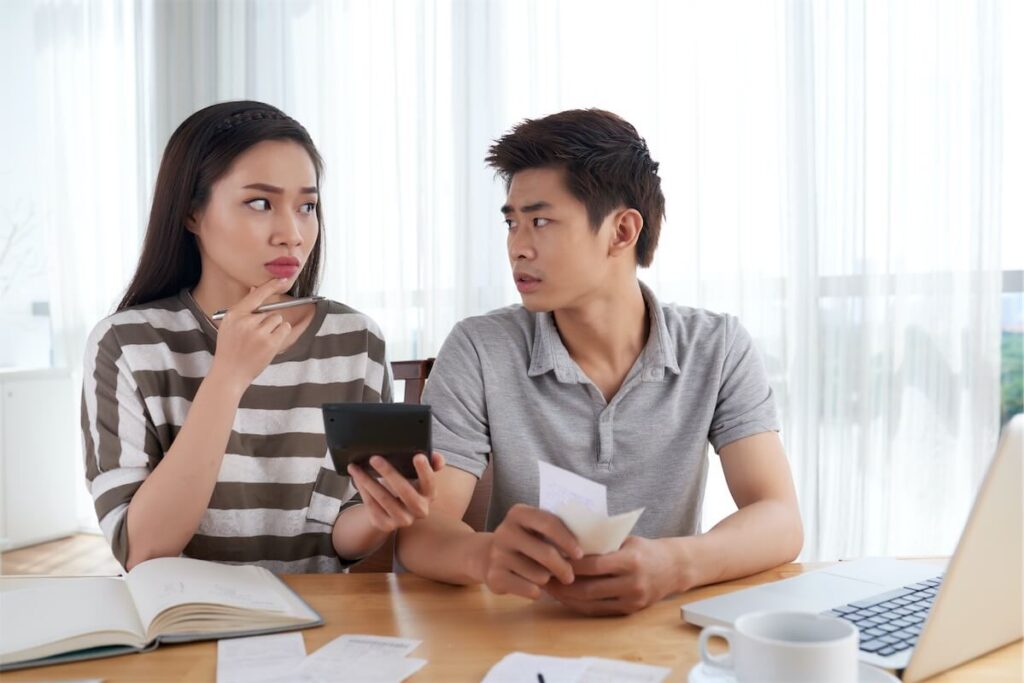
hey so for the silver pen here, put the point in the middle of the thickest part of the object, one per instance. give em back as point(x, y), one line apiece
point(265, 308)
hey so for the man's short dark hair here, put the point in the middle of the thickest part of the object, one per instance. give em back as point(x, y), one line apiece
point(607, 165)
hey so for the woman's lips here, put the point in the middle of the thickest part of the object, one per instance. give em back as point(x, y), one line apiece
point(278, 270)
point(286, 267)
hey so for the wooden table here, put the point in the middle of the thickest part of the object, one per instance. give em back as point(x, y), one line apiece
point(466, 630)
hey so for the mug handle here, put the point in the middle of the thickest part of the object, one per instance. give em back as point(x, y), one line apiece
point(723, 661)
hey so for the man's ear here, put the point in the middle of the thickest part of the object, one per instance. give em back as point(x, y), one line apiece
point(626, 227)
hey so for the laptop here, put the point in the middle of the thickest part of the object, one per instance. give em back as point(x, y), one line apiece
point(913, 617)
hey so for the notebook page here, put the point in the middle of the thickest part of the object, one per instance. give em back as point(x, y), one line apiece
point(60, 609)
point(157, 585)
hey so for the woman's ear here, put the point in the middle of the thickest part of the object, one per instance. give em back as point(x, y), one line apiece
point(626, 231)
point(192, 221)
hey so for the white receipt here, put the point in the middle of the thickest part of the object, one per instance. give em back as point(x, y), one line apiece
point(519, 666)
point(582, 505)
point(601, 670)
point(259, 658)
point(281, 658)
point(373, 659)
point(368, 670)
point(352, 646)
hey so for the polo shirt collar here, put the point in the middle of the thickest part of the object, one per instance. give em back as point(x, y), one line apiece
point(549, 353)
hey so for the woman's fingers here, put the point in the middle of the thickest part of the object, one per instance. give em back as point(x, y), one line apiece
point(257, 296)
point(371, 489)
point(397, 497)
point(402, 490)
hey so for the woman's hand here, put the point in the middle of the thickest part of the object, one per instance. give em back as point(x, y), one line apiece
point(247, 341)
point(394, 501)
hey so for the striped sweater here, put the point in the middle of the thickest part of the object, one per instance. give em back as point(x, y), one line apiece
point(277, 494)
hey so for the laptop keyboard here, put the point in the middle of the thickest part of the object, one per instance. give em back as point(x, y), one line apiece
point(890, 622)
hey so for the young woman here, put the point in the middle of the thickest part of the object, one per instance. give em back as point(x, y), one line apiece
point(205, 438)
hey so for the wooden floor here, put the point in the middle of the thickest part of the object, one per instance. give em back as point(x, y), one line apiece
point(80, 555)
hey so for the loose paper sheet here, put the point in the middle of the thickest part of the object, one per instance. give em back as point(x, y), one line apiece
point(600, 670)
point(259, 659)
point(353, 646)
point(352, 657)
point(520, 667)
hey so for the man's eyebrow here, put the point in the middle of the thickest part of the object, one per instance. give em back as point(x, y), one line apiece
point(529, 208)
point(274, 189)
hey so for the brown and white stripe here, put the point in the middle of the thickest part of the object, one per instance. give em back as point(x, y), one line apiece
point(277, 494)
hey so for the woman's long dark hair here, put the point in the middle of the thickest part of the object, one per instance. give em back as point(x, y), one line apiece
point(199, 152)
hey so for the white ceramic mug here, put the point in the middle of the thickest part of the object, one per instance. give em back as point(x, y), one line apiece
point(794, 647)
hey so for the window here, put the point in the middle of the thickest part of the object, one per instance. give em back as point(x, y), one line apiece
point(1012, 218)
point(1012, 374)
point(24, 279)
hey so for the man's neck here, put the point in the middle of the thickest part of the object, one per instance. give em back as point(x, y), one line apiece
point(606, 334)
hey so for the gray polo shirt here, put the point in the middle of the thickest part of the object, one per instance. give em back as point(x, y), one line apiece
point(505, 385)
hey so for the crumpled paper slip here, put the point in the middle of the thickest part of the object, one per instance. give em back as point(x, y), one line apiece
point(597, 535)
point(582, 505)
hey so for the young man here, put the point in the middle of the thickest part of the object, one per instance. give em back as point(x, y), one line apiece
point(593, 374)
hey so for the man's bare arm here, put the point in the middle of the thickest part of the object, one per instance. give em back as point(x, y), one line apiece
point(766, 530)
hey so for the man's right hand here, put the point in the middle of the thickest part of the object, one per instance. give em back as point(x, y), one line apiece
point(527, 549)
point(247, 341)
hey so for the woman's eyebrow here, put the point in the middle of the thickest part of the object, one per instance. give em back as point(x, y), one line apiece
point(274, 189)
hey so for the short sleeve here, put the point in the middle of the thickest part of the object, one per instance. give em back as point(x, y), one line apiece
point(746, 403)
point(119, 441)
point(387, 390)
point(455, 393)
point(332, 493)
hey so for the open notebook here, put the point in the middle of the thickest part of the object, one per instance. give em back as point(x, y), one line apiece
point(47, 620)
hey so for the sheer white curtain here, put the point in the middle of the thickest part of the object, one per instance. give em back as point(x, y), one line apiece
point(75, 157)
point(893, 344)
point(832, 174)
point(832, 171)
point(77, 162)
